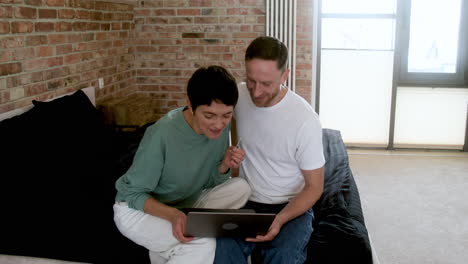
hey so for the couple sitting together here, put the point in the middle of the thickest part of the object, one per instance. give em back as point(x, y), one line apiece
point(185, 160)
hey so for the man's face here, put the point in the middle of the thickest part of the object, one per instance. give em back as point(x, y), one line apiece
point(263, 81)
point(211, 120)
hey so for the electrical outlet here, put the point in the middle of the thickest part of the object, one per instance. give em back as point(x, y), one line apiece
point(101, 83)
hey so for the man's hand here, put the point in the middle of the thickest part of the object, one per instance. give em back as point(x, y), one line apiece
point(304, 200)
point(178, 221)
point(273, 231)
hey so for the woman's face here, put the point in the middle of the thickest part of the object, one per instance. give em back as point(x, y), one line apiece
point(211, 120)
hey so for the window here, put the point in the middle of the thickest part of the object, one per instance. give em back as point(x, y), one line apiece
point(433, 43)
point(356, 67)
point(358, 25)
point(393, 73)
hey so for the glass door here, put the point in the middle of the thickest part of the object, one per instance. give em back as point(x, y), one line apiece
point(356, 69)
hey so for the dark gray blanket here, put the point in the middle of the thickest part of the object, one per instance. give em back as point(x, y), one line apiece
point(340, 234)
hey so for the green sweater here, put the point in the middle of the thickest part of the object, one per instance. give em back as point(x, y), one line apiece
point(173, 164)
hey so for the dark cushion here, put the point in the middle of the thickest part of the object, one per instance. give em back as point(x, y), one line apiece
point(58, 176)
point(340, 234)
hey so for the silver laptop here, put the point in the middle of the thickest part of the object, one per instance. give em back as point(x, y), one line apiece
point(226, 222)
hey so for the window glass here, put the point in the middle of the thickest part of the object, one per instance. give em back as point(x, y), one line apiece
point(431, 117)
point(356, 95)
point(359, 6)
point(372, 34)
point(434, 29)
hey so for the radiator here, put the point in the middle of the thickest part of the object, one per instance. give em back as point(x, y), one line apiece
point(281, 24)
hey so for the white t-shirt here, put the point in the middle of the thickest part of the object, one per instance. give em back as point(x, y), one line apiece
point(279, 141)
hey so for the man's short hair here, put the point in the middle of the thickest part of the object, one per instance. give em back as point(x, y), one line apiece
point(212, 83)
point(268, 48)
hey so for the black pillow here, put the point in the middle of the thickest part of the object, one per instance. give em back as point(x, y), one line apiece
point(17, 139)
point(58, 175)
point(54, 181)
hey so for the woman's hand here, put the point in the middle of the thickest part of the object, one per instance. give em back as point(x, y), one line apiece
point(178, 220)
point(232, 159)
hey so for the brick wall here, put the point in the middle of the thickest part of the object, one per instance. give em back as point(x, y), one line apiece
point(173, 38)
point(51, 47)
point(54, 46)
point(304, 49)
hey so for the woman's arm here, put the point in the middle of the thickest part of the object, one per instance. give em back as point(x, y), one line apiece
point(177, 218)
point(234, 156)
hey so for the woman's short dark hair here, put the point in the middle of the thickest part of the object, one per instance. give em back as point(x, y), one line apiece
point(212, 83)
point(268, 48)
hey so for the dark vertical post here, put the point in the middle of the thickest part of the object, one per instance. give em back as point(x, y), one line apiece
point(465, 147)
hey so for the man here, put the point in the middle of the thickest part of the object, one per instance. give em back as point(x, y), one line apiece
point(282, 138)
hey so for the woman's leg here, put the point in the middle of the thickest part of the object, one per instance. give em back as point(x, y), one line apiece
point(155, 234)
point(232, 194)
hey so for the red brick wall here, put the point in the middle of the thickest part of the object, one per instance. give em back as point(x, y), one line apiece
point(304, 48)
point(54, 46)
point(173, 38)
point(51, 47)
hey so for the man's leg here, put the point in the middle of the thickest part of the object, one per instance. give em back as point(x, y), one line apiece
point(290, 245)
point(232, 250)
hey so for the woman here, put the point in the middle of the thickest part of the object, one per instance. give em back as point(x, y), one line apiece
point(184, 160)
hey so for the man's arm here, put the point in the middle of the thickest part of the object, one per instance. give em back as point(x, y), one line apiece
point(302, 202)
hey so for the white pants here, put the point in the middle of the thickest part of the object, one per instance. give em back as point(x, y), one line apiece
point(155, 233)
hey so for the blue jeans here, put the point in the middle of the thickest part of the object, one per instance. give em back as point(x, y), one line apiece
point(289, 246)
